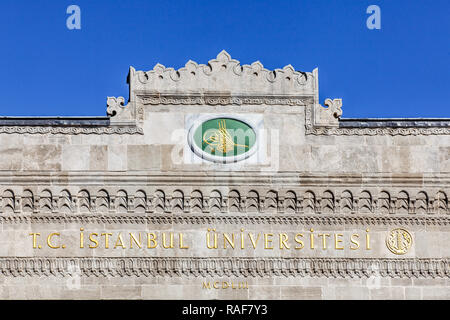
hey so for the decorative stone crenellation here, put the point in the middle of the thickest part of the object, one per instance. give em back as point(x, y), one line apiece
point(222, 75)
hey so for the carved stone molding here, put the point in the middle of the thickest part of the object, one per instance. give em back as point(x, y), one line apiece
point(239, 267)
point(314, 129)
point(221, 99)
point(379, 131)
point(239, 179)
point(282, 219)
point(71, 130)
point(340, 202)
point(122, 120)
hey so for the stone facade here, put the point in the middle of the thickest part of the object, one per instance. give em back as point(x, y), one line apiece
point(348, 184)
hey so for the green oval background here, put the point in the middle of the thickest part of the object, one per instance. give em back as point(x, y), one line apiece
point(240, 131)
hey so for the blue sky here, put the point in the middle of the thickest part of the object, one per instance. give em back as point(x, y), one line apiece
point(401, 70)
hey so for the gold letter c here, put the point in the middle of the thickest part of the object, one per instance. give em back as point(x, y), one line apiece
point(49, 239)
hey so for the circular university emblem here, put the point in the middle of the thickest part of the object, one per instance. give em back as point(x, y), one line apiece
point(223, 139)
point(399, 241)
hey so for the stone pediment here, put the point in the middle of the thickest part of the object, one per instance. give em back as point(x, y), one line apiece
point(223, 76)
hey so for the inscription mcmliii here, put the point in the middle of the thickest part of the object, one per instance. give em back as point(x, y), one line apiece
point(224, 181)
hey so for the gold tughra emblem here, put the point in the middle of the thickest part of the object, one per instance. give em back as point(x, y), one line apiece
point(399, 241)
point(220, 139)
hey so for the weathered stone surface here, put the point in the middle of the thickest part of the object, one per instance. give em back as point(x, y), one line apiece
point(98, 158)
point(314, 173)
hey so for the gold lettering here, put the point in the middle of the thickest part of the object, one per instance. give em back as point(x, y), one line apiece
point(81, 238)
point(151, 242)
point(254, 243)
point(208, 239)
point(354, 241)
point(227, 239)
point(311, 238)
point(35, 235)
point(367, 240)
point(164, 240)
point(283, 240)
point(107, 235)
point(119, 242)
point(267, 241)
point(206, 285)
point(300, 242)
point(324, 239)
point(93, 240)
point(180, 236)
point(337, 241)
point(49, 239)
point(137, 241)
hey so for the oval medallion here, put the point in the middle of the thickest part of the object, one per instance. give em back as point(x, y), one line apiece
point(223, 139)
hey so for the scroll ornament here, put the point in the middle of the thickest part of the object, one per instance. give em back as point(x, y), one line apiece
point(118, 111)
point(328, 117)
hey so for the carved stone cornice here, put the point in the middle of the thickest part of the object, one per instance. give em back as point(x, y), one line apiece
point(280, 219)
point(71, 130)
point(238, 267)
point(334, 130)
point(236, 179)
point(221, 99)
point(378, 131)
